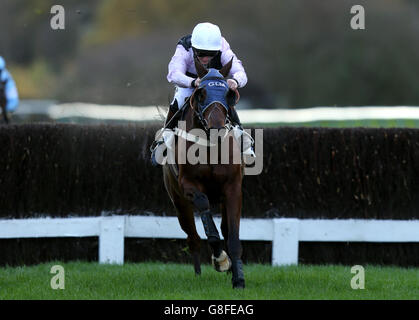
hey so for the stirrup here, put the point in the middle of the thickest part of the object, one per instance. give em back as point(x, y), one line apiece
point(248, 148)
point(249, 152)
point(166, 136)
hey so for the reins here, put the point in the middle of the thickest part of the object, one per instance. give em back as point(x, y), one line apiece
point(200, 116)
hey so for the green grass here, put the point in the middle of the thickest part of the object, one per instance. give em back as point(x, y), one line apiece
point(367, 123)
point(177, 281)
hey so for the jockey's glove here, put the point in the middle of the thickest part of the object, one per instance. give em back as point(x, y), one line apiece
point(232, 84)
point(196, 82)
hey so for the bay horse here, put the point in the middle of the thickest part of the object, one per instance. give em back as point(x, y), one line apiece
point(195, 187)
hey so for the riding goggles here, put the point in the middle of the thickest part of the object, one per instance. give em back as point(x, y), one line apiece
point(205, 53)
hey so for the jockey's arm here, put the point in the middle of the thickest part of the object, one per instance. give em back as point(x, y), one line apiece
point(237, 70)
point(177, 69)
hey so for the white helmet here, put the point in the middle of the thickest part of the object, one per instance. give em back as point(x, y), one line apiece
point(206, 36)
point(2, 63)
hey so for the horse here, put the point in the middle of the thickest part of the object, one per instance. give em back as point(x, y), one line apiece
point(198, 187)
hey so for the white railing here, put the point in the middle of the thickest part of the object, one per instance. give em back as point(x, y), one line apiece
point(150, 113)
point(284, 233)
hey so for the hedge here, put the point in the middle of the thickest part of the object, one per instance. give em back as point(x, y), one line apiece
point(83, 170)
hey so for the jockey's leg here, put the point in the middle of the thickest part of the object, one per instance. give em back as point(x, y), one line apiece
point(247, 139)
point(234, 117)
point(172, 118)
point(179, 100)
point(171, 123)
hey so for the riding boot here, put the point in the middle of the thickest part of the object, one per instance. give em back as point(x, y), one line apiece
point(169, 124)
point(247, 139)
point(234, 117)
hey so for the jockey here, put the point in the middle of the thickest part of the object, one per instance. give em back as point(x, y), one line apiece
point(213, 51)
point(9, 95)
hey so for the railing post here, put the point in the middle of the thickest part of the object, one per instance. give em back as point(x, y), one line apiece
point(111, 239)
point(285, 242)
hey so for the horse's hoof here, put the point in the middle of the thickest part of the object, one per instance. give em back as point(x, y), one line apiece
point(238, 284)
point(222, 263)
point(197, 268)
point(198, 271)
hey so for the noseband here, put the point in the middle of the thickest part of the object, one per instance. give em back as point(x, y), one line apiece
point(199, 114)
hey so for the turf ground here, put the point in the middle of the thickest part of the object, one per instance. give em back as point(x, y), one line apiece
point(160, 281)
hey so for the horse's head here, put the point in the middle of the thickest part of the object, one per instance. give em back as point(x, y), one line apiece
point(212, 99)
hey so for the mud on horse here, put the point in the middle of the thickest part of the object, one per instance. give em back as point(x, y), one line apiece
point(195, 187)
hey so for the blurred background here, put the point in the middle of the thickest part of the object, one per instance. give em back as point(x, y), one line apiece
point(297, 53)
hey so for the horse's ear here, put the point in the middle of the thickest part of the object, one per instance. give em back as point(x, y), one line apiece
point(226, 68)
point(200, 69)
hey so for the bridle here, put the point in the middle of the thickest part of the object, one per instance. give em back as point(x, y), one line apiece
point(217, 107)
point(199, 114)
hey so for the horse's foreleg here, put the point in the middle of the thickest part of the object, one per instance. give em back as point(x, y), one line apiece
point(233, 205)
point(187, 223)
point(193, 240)
point(224, 226)
point(201, 203)
point(186, 218)
point(224, 231)
point(211, 232)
